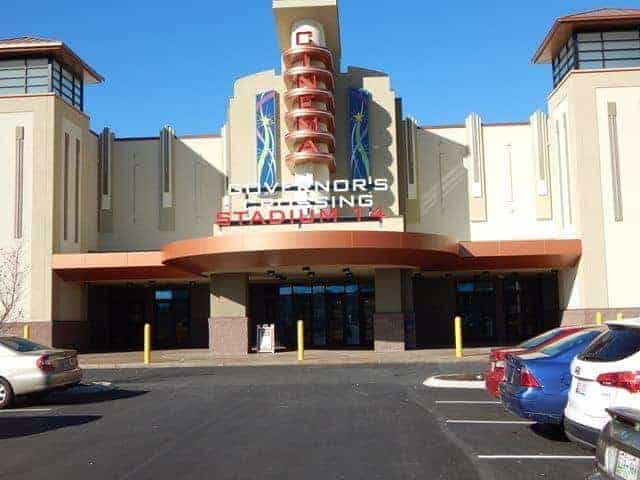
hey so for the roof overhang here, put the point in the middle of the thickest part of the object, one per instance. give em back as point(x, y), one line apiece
point(191, 259)
point(324, 11)
point(57, 49)
point(563, 28)
point(125, 266)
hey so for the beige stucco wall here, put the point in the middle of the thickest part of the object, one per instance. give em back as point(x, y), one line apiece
point(36, 114)
point(601, 279)
point(199, 185)
point(619, 235)
point(46, 119)
point(229, 294)
point(67, 303)
point(444, 191)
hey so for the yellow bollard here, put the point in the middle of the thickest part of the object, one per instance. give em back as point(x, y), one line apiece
point(26, 332)
point(147, 344)
point(458, 334)
point(619, 317)
point(599, 320)
point(300, 340)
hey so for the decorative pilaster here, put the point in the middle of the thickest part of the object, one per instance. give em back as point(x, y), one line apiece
point(475, 142)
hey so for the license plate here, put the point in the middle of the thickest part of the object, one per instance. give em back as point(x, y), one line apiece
point(581, 388)
point(627, 466)
point(67, 364)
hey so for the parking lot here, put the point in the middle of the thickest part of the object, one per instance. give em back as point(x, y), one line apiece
point(360, 421)
point(505, 446)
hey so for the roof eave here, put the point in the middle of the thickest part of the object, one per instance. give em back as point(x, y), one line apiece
point(90, 76)
point(94, 76)
point(543, 55)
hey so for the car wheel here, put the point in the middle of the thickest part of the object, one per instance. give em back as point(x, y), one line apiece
point(6, 394)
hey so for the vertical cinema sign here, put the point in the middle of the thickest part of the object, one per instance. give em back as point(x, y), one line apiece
point(267, 137)
point(360, 159)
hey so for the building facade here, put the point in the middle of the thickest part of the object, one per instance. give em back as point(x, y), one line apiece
point(320, 200)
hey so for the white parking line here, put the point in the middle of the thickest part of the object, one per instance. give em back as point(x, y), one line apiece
point(443, 383)
point(536, 457)
point(496, 422)
point(466, 402)
point(26, 410)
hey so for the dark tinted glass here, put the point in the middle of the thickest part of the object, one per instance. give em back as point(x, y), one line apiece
point(540, 339)
point(615, 344)
point(18, 344)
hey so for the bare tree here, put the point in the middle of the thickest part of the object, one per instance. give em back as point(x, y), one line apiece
point(13, 275)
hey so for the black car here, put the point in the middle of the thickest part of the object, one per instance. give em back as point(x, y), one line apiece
point(618, 452)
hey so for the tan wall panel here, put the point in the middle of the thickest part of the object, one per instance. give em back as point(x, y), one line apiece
point(199, 186)
point(619, 234)
point(577, 97)
point(229, 294)
point(388, 285)
point(444, 191)
point(38, 223)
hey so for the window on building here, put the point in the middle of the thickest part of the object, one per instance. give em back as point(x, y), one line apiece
point(24, 75)
point(594, 50)
point(565, 61)
point(40, 75)
point(66, 84)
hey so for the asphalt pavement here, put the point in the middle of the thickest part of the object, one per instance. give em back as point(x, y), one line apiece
point(313, 422)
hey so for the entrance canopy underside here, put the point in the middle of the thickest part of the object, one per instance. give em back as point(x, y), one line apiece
point(246, 252)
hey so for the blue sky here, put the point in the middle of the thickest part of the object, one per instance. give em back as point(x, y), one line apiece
point(175, 62)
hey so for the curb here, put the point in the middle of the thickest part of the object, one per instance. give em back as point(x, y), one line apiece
point(232, 363)
point(120, 366)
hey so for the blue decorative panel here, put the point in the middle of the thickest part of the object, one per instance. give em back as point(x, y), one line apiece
point(267, 137)
point(359, 133)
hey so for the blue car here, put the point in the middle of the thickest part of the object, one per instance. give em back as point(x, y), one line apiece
point(536, 385)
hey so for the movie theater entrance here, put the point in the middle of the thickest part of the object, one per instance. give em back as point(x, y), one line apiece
point(336, 314)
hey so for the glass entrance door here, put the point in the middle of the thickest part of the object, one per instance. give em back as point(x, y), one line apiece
point(172, 326)
point(335, 315)
point(477, 306)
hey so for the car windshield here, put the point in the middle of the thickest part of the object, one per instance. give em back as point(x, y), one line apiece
point(569, 342)
point(615, 344)
point(18, 344)
point(540, 339)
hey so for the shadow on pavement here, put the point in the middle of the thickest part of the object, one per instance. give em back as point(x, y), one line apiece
point(12, 427)
point(81, 398)
point(549, 432)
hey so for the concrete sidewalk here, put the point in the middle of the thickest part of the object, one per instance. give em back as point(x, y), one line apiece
point(204, 358)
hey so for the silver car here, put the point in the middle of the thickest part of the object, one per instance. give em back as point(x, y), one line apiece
point(30, 368)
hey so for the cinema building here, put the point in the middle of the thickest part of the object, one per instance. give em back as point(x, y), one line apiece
point(322, 200)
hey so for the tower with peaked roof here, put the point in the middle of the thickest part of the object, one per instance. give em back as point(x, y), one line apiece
point(593, 117)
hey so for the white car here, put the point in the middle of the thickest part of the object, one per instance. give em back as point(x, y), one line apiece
point(30, 368)
point(606, 374)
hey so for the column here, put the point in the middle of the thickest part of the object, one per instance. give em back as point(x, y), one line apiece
point(394, 311)
point(229, 324)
